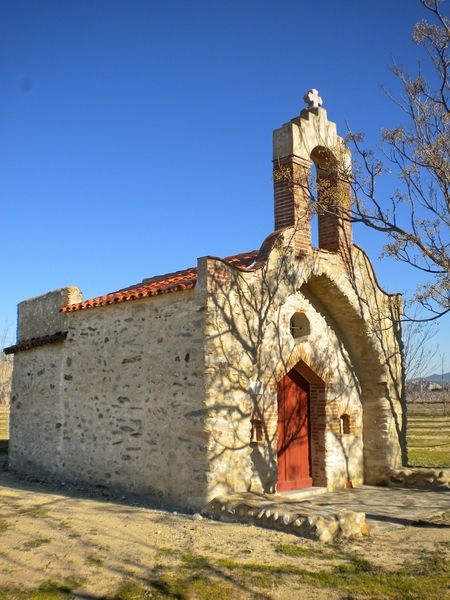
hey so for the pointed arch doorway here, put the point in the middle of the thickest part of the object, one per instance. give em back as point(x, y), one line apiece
point(294, 437)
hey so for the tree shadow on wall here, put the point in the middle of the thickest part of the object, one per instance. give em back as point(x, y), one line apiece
point(250, 347)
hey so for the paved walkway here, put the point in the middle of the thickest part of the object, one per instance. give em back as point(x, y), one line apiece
point(326, 515)
point(382, 505)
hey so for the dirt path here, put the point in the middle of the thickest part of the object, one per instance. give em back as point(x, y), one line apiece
point(94, 547)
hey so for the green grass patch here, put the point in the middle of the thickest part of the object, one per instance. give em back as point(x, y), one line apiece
point(197, 578)
point(437, 433)
point(34, 511)
point(49, 590)
point(356, 565)
point(93, 561)
point(194, 561)
point(177, 587)
point(233, 565)
point(431, 423)
point(35, 543)
point(357, 577)
point(3, 525)
point(297, 550)
point(429, 442)
point(166, 551)
point(129, 590)
point(428, 419)
point(428, 457)
point(428, 431)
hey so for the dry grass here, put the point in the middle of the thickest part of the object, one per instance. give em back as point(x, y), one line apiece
point(4, 422)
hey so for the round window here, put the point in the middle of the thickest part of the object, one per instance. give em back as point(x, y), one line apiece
point(299, 325)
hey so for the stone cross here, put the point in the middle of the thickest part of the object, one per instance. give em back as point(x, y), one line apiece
point(312, 98)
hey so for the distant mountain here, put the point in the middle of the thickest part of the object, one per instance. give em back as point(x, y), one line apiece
point(435, 377)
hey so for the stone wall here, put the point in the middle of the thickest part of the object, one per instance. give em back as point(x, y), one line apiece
point(119, 403)
point(40, 316)
point(431, 478)
point(154, 396)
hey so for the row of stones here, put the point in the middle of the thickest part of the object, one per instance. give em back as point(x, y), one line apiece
point(417, 477)
point(322, 527)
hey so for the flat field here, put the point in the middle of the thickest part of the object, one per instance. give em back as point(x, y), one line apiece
point(429, 436)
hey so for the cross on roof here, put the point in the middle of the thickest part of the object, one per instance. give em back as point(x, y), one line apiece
point(312, 98)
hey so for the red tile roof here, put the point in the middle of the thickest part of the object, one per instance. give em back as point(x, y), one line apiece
point(161, 284)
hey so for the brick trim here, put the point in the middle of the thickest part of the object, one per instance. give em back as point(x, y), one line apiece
point(291, 199)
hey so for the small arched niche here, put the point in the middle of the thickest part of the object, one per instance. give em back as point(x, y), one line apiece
point(344, 422)
point(299, 326)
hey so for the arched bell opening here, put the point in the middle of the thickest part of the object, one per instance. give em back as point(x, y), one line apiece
point(326, 193)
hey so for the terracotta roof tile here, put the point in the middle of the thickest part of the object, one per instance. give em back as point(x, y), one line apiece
point(160, 284)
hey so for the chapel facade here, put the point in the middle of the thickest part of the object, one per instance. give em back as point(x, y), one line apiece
point(267, 371)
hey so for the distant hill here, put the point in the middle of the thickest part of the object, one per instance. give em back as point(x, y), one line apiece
point(435, 377)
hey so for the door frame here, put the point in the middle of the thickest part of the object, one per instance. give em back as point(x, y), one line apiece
point(293, 374)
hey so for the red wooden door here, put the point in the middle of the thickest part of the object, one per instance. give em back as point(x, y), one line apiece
point(294, 470)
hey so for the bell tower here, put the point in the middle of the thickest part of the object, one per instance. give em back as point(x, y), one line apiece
point(308, 141)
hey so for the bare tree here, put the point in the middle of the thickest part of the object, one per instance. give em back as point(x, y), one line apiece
point(442, 358)
point(6, 366)
point(419, 354)
point(416, 218)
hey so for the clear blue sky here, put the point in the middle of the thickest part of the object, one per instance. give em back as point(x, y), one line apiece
point(136, 135)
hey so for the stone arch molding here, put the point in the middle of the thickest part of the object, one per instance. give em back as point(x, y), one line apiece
point(308, 366)
point(304, 134)
point(336, 299)
point(368, 336)
point(353, 299)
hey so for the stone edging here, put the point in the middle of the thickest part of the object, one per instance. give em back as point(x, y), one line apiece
point(325, 526)
point(420, 477)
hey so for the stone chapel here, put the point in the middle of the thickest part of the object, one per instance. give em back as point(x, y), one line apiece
point(271, 370)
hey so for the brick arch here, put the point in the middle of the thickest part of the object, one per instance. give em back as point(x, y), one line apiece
point(317, 417)
point(311, 369)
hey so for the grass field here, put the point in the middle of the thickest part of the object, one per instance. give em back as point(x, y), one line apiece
point(429, 440)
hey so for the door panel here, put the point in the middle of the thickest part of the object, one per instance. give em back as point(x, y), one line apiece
point(293, 450)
